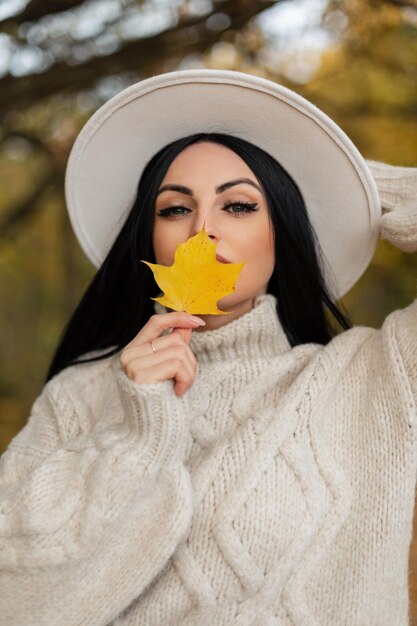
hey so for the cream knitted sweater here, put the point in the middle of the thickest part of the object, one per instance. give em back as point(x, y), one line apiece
point(279, 491)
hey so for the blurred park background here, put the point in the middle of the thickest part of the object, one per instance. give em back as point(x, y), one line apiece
point(61, 59)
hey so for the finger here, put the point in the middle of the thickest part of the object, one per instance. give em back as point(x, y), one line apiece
point(137, 368)
point(183, 381)
point(160, 322)
point(185, 333)
point(161, 343)
point(166, 370)
point(181, 353)
point(180, 388)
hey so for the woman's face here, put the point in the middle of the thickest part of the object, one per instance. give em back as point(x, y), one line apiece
point(201, 187)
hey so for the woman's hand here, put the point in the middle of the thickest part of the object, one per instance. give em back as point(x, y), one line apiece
point(172, 358)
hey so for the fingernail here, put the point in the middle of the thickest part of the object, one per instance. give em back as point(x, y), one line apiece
point(197, 320)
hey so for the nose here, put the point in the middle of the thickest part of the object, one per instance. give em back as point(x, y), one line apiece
point(208, 222)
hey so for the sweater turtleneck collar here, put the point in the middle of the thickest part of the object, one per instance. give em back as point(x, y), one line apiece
point(256, 333)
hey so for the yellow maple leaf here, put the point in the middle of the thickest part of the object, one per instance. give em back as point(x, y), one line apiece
point(196, 280)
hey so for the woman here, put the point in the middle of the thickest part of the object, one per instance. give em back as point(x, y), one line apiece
point(248, 468)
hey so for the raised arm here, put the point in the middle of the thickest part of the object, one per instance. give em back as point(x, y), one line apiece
point(397, 188)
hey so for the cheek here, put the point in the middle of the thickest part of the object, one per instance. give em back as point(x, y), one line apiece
point(163, 247)
point(260, 252)
point(260, 268)
point(268, 246)
point(269, 255)
point(260, 248)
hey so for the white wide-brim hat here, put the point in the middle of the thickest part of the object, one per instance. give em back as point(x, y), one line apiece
point(113, 148)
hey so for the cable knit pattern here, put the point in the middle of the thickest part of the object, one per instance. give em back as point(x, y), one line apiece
point(279, 491)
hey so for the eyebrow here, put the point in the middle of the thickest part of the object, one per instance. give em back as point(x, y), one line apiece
point(189, 192)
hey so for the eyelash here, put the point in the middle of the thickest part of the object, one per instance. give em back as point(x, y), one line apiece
point(249, 208)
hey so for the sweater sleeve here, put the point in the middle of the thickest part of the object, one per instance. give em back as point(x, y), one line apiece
point(400, 341)
point(397, 187)
point(88, 521)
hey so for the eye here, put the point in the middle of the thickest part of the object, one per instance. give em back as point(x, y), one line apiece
point(173, 211)
point(241, 208)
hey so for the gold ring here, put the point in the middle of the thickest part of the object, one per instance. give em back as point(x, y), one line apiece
point(152, 346)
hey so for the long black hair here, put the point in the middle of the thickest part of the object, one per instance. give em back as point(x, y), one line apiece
point(117, 303)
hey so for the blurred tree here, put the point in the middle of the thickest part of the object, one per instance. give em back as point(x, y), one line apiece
point(86, 46)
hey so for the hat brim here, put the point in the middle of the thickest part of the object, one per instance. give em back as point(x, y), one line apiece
point(113, 148)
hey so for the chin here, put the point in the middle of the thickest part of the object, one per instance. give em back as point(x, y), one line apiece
point(235, 302)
